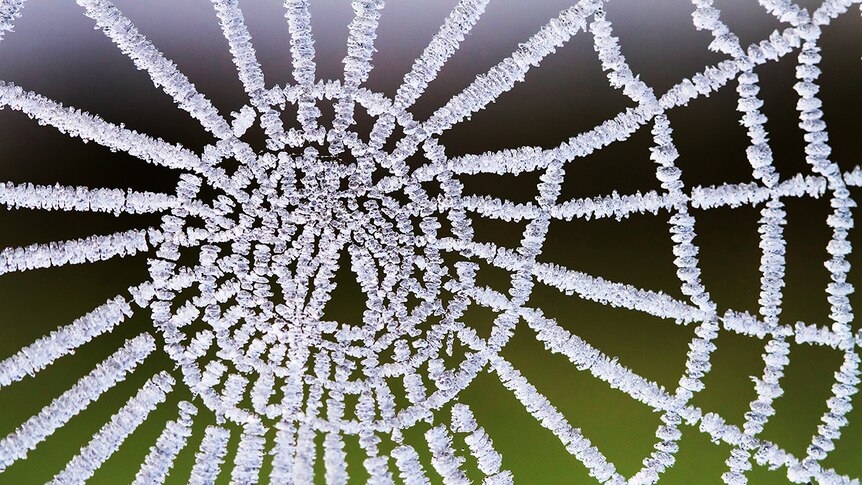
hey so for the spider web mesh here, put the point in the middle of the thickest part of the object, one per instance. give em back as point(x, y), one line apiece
point(242, 264)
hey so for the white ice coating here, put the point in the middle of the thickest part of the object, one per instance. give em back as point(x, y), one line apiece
point(64, 340)
point(108, 439)
point(158, 463)
point(79, 251)
point(210, 456)
point(249, 454)
point(250, 248)
point(479, 443)
point(107, 374)
point(66, 198)
point(409, 468)
point(444, 457)
point(9, 11)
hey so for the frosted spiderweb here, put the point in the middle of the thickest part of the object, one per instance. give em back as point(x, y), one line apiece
point(256, 261)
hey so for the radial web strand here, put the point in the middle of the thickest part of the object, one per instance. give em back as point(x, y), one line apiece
point(112, 435)
point(87, 390)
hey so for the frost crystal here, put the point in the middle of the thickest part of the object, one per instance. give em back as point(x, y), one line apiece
point(239, 281)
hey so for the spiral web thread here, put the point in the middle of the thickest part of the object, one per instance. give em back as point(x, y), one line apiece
point(260, 237)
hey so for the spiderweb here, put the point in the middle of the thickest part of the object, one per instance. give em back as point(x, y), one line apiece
point(250, 242)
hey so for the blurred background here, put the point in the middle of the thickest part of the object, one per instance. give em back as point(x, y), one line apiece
point(56, 52)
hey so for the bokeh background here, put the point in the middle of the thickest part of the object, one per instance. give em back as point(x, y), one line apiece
point(56, 52)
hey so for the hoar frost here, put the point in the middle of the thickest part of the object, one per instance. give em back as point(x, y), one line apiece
point(239, 281)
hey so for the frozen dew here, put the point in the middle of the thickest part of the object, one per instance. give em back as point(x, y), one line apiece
point(244, 263)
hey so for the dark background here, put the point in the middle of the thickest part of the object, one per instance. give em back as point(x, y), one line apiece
point(56, 52)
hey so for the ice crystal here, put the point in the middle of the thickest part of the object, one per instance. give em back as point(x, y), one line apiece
point(267, 247)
